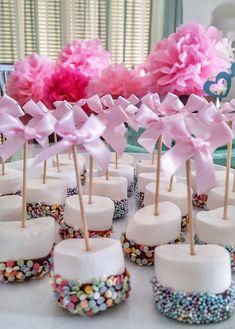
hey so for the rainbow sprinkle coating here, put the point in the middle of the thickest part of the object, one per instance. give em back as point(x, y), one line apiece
point(68, 232)
point(184, 221)
point(22, 270)
point(194, 308)
point(36, 210)
point(15, 193)
point(121, 208)
point(139, 199)
point(200, 201)
point(229, 248)
point(141, 254)
point(90, 298)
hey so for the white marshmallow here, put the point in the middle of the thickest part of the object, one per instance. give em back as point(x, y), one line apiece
point(114, 188)
point(66, 173)
point(178, 195)
point(208, 271)
point(144, 179)
point(150, 230)
point(72, 262)
point(32, 242)
point(122, 170)
point(126, 159)
point(99, 214)
point(145, 166)
point(10, 208)
point(54, 191)
point(212, 228)
point(216, 198)
point(219, 179)
point(64, 160)
point(10, 182)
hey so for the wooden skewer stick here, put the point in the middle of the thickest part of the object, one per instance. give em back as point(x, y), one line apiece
point(116, 160)
point(90, 180)
point(107, 170)
point(69, 154)
point(3, 162)
point(153, 157)
point(158, 170)
point(228, 168)
point(83, 215)
point(23, 212)
point(171, 184)
point(57, 155)
point(190, 209)
point(44, 172)
point(233, 182)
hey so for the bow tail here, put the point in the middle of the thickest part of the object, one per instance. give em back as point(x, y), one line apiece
point(51, 151)
point(116, 140)
point(205, 174)
point(10, 147)
point(99, 152)
point(149, 138)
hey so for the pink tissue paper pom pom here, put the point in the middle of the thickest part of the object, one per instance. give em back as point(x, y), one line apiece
point(65, 84)
point(118, 80)
point(181, 63)
point(27, 80)
point(87, 56)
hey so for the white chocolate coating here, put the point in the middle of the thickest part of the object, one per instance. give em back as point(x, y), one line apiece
point(10, 182)
point(122, 170)
point(64, 160)
point(219, 179)
point(114, 188)
point(212, 228)
point(72, 262)
point(126, 159)
point(178, 195)
point(32, 242)
point(66, 173)
point(99, 214)
point(53, 192)
point(150, 230)
point(208, 271)
point(216, 198)
point(10, 208)
point(145, 166)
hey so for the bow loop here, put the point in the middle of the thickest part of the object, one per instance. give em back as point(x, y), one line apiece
point(10, 106)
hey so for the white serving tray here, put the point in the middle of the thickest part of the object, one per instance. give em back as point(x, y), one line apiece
point(31, 305)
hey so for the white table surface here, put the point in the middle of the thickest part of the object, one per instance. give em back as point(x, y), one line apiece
point(31, 305)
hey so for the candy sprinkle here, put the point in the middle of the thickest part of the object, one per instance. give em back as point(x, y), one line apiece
point(89, 301)
point(200, 200)
point(139, 199)
point(68, 232)
point(121, 208)
point(194, 308)
point(36, 210)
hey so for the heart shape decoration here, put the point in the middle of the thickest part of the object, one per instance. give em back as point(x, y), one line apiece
point(213, 87)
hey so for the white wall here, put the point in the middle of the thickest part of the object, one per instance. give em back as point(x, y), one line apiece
point(200, 11)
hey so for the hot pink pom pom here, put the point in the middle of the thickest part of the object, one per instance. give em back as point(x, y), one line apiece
point(87, 56)
point(183, 62)
point(27, 80)
point(65, 84)
point(118, 80)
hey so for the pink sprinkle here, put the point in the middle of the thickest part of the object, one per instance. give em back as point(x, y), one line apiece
point(10, 263)
point(36, 266)
point(74, 298)
point(64, 283)
point(70, 306)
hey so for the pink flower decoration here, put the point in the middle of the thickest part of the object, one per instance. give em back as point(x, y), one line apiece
point(27, 80)
point(183, 62)
point(118, 80)
point(65, 84)
point(87, 56)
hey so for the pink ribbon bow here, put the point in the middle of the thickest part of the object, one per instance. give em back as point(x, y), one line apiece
point(152, 101)
point(130, 109)
point(170, 105)
point(88, 136)
point(201, 148)
point(10, 106)
point(154, 127)
point(17, 134)
point(113, 119)
point(228, 110)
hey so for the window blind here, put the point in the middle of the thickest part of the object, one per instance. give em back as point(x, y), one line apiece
point(123, 26)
